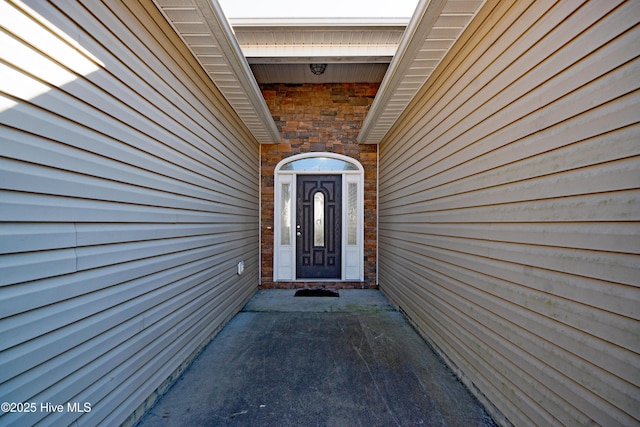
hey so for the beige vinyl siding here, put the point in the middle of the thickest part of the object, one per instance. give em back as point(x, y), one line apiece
point(128, 196)
point(509, 211)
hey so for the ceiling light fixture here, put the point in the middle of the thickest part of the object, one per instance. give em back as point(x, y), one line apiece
point(317, 69)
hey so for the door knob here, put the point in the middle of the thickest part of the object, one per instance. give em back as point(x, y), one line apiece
point(299, 234)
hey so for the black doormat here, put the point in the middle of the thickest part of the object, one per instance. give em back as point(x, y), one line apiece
point(316, 293)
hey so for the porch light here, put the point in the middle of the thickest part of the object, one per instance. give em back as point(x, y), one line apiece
point(317, 69)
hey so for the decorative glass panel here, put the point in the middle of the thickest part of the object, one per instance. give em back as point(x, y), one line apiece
point(285, 215)
point(352, 214)
point(315, 164)
point(318, 219)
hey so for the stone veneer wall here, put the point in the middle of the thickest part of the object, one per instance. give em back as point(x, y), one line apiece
point(319, 118)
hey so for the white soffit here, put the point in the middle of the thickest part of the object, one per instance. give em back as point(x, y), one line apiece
point(432, 31)
point(297, 40)
point(280, 50)
point(206, 31)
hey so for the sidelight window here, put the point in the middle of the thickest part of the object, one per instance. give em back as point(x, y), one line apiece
point(285, 215)
point(352, 214)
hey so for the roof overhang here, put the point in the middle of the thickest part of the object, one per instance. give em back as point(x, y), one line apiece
point(348, 40)
point(432, 31)
point(399, 55)
point(208, 34)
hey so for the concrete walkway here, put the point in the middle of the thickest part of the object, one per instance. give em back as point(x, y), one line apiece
point(318, 361)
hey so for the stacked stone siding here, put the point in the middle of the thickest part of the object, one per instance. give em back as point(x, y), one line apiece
point(319, 118)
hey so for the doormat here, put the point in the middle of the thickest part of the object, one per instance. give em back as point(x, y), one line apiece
point(316, 293)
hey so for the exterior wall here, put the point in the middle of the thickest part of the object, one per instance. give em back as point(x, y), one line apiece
point(509, 208)
point(325, 118)
point(129, 193)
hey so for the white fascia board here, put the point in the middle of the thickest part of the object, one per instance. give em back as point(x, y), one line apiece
point(346, 52)
point(227, 43)
point(318, 22)
point(320, 59)
point(420, 52)
point(413, 39)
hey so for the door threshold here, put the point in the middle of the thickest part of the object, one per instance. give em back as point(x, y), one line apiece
point(309, 284)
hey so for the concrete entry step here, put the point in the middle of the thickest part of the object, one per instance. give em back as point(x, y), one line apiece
point(328, 284)
point(350, 300)
point(347, 361)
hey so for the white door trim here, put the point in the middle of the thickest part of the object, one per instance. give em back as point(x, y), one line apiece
point(284, 251)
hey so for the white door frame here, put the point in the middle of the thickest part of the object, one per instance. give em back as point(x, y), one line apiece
point(284, 239)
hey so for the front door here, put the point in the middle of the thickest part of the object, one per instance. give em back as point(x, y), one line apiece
point(318, 226)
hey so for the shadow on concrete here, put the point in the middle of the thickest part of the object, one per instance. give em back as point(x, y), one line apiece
point(290, 361)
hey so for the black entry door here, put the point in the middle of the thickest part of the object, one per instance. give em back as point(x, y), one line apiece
point(318, 226)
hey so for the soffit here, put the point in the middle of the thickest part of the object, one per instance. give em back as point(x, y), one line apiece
point(344, 40)
point(434, 28)
point(240, 54)
point(207, 33)
point(355, 50)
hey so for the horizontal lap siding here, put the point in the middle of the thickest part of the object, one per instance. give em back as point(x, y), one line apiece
point(509, 211)
point(128, 195)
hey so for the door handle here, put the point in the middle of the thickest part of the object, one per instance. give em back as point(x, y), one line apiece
point(299, 231)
